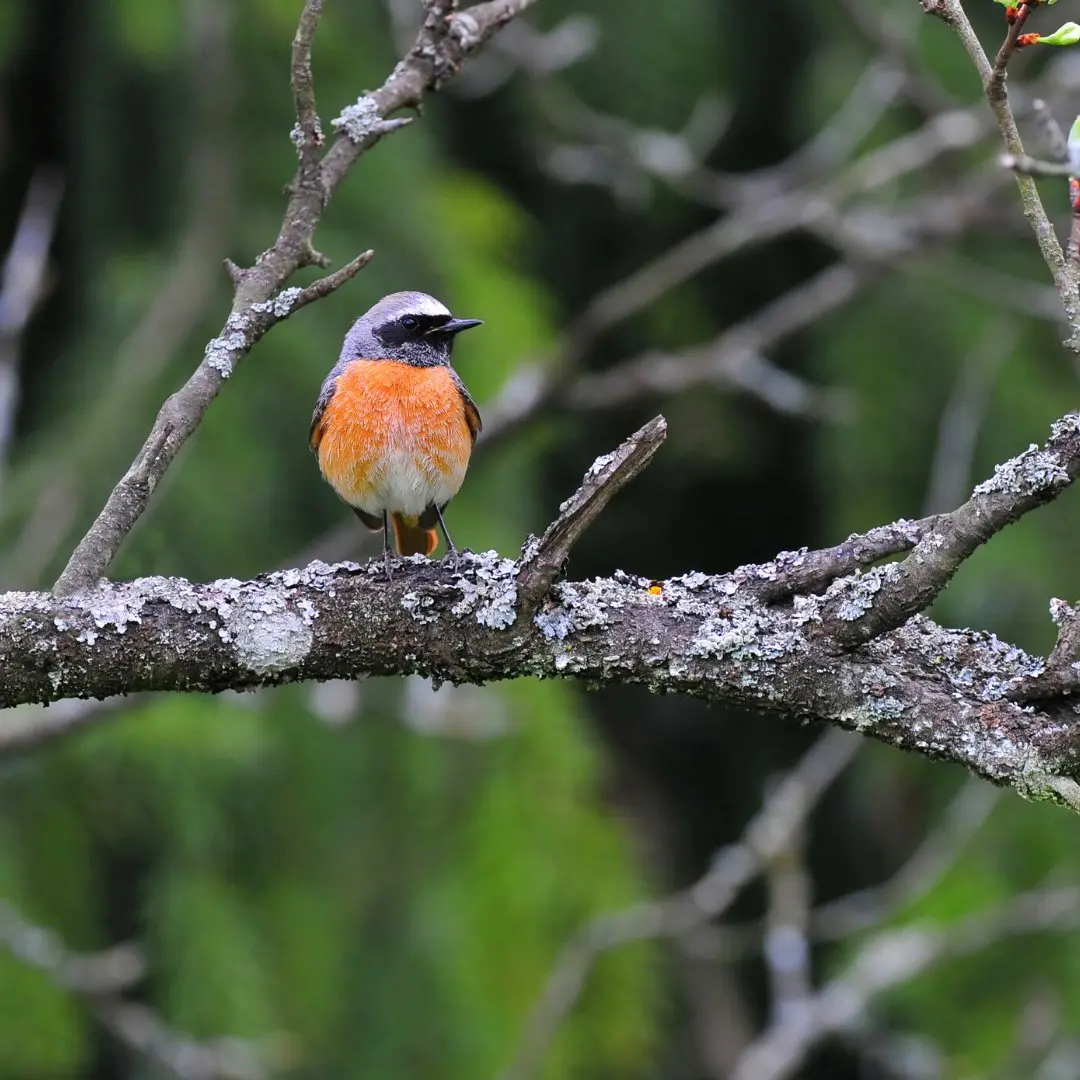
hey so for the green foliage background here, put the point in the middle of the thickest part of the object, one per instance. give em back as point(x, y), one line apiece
point(381, 899)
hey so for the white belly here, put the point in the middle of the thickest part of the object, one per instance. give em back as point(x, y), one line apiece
point(407, 483)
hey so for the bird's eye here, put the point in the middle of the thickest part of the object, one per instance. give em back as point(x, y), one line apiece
point(410, 322)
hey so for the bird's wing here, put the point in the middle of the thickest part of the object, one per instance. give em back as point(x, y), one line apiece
point(316, 433)
point(472, 413)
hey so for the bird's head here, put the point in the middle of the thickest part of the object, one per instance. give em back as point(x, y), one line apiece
point(408, 326)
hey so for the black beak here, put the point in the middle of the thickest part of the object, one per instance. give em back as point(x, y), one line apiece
point(455, 326)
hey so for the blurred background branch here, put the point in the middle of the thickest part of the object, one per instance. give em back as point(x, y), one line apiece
point(23, 283)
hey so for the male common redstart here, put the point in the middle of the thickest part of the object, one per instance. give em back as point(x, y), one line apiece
point(394, 426)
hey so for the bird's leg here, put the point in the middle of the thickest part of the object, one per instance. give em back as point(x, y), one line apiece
point(386, 545)
point(451, 551)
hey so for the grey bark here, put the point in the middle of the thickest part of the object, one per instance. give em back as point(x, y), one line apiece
point(920, 687)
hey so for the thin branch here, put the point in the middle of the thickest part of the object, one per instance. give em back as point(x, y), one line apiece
point(993, 80)
point(995, 90)
point(446, 38)
point(324, 286)
point(1029, 166)
point(543, 560)
point(307, 135)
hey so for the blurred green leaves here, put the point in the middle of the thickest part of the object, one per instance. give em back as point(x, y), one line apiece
point(292, 872)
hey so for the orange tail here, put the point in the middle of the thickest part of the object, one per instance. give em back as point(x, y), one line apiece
point(411, 538)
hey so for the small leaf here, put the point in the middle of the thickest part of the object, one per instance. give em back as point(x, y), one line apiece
point(1067, 34)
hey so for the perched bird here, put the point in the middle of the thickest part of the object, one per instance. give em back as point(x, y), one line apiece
point(394, 426)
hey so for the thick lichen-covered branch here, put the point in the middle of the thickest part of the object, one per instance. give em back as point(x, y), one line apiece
point(938, 692)
point(812, 634)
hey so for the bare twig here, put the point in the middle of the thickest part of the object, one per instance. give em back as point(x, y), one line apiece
point(328, 284)
point(993, 80)
point(542, 560)
point(1024, 165)
point(307, 135)
point(995, 90)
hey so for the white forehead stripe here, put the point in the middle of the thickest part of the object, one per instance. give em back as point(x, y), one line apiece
point(426, 305)
point(406, 303)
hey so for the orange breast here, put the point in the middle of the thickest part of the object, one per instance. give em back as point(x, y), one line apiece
point(394, 437)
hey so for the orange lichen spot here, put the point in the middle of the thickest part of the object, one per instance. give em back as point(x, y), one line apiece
point(655, 590)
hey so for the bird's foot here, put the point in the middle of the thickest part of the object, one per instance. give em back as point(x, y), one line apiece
point(452, 558)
